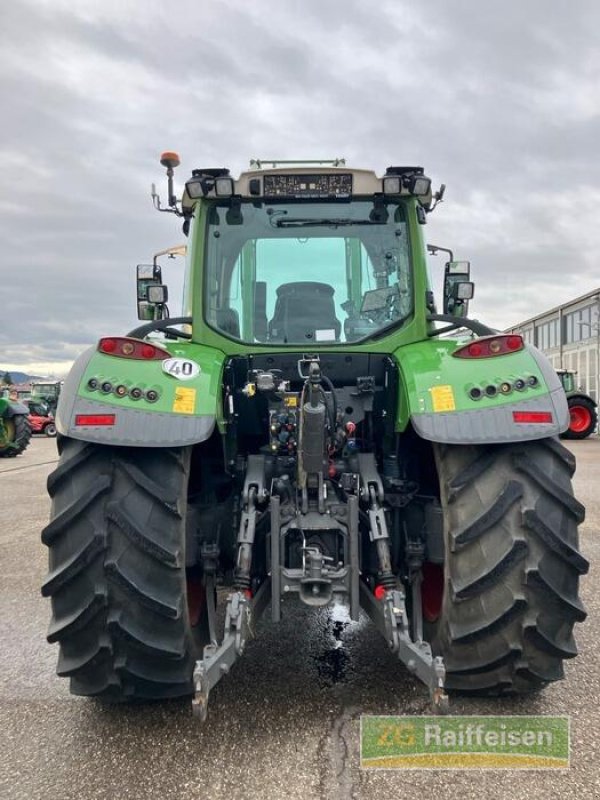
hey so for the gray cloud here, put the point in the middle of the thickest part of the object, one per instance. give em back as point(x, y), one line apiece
point(498, 100)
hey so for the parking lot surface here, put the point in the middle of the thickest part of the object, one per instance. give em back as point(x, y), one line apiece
point(283, 724)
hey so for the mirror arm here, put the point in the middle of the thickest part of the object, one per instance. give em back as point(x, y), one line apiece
point(433, 250)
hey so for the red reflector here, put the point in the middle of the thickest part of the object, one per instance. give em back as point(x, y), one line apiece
point(125, 347)
point(514, 342)
point(95, 419)
point(379, 592)
point(489, 346)
point(532, 416)
point(148, 351)
point(108, 345)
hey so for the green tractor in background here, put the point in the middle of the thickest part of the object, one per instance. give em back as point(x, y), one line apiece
point(310, 430)
point(582, 408)
point(15, 430)
point(47, 392)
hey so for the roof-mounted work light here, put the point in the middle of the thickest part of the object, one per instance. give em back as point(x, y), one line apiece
point(418, 184)
point(224, 187)
point(411, 179)
point(205, 181)
point(392, 185)
point(196, 188)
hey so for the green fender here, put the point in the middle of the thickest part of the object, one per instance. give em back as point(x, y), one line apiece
point(435, 395)
point(185, 411)
point(12, 408)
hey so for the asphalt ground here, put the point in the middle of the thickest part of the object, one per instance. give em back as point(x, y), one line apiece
point(283, 724)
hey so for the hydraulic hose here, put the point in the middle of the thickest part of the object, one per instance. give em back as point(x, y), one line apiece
point(326, 380)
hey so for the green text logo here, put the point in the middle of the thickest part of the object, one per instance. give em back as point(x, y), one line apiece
point(464, 742)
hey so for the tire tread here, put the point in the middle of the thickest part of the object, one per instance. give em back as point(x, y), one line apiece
point(513, 566)
point(117, 577)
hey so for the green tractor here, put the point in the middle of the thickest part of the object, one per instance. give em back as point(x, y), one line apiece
point(312, 431)
point(47, 392)
point(583, 414)
point(15, 430)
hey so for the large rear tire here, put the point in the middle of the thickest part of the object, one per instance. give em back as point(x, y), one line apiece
point(117, 579)
point(510, 596)
point(18, 435)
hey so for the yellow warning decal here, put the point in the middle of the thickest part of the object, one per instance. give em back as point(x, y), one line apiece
point(442, 398)
point(290, 401)
point(185, 400)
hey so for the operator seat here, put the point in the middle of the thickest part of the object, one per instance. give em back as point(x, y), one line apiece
point(304, 311)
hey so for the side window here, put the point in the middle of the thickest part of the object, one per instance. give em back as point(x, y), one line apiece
point(391, 264)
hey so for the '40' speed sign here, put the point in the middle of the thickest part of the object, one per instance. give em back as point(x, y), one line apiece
point(181, 368)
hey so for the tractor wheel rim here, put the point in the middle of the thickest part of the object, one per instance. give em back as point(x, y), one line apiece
point(581, 418)
point(432, 590)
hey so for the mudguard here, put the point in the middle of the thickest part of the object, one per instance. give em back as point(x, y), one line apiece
point(177, 405)
point(435, 395)
point(9, 408)
point(582, 396)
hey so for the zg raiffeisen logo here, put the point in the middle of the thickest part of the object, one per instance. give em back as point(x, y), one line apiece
point(465, 742)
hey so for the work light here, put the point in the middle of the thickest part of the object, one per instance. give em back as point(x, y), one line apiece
point(195, 188)
point(418, 184)
point(224, 187)
point(391, 185)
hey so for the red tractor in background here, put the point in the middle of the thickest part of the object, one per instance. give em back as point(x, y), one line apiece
point(40, 418)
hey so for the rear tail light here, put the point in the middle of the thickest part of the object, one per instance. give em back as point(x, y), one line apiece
point(489, 346)
point(95, 419)
point(532, 416)
point(124, 347)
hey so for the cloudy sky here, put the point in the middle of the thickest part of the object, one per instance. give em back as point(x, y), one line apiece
point(499, 100)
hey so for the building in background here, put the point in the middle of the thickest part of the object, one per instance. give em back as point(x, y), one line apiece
point(570, 336)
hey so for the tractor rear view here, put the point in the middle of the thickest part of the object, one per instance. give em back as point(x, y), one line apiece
point(305, 433)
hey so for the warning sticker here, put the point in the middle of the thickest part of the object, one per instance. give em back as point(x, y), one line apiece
point(442, 398)
point(185, 400)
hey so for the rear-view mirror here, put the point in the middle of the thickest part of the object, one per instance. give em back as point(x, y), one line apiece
point(458, 289)
point(152, 294)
